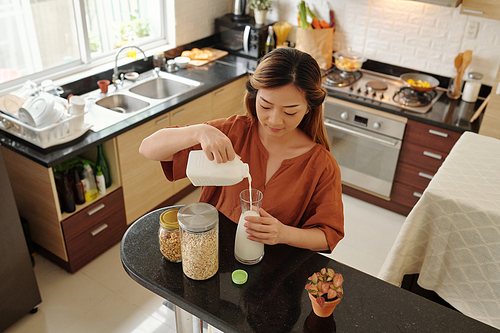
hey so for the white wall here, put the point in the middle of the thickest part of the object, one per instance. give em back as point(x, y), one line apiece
point(410, 34)
point(194, 19)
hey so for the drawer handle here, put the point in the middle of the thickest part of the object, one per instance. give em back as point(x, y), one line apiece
point(417, 194)
point(429, 154)
point(96, 209)
point(98, 230)
point(465, 10)
point(444, 135)
point(179, 112)
point(162, 120)
point(425, 175)
point(220, 92)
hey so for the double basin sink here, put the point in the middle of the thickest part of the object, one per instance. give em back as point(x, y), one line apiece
point(151, 88)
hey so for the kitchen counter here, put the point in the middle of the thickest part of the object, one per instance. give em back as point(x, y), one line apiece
point(274, 299)
point(213, 76)
point(450, 114)
point(445, 113)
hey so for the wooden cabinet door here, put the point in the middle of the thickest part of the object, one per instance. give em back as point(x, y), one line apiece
point(144, 184)
point(228, 100)
point(490, 124)
point(482, 8)
point(192, 113)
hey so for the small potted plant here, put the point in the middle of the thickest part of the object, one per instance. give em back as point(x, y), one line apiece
point(260, 8)
point(325, 291)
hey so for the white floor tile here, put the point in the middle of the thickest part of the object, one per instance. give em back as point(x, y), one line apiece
point(101, 297)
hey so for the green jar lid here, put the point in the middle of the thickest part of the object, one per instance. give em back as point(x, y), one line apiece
point(239, 276)
point(168, 219)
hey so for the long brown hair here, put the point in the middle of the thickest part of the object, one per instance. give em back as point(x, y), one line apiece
point(285, 66)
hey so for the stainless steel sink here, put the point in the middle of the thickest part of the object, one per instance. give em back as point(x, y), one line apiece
point(162, 88)
point(122, 103)
point(131, 97)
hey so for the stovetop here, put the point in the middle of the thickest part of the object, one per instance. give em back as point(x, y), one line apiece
point(379, 89)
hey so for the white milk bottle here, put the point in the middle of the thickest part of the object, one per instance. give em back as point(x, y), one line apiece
point(203, 172)
point(247, 251)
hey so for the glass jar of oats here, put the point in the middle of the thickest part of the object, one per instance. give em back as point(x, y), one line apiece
point(199, 225)
point(169, 235)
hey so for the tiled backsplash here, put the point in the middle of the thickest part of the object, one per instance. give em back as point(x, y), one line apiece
point(410, 34)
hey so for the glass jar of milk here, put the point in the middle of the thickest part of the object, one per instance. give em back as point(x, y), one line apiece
point(246, 251)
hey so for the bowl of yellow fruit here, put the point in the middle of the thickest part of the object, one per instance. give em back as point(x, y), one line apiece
point(348, 61)
point(420, 82)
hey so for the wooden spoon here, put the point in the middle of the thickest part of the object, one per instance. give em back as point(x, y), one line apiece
point(458, 66)
point(480, 109)
point(466, 59)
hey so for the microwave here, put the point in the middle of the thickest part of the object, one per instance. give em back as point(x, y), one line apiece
point(241, 36)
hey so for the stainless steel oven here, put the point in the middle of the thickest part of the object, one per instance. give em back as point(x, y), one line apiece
point(366, 144)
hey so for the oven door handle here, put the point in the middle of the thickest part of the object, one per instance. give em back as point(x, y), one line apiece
point(362, 135)
point(246, 39)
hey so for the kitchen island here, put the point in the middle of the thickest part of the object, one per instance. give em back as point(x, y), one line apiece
point(274, 299)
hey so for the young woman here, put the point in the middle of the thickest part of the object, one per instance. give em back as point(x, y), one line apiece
point(283, 139)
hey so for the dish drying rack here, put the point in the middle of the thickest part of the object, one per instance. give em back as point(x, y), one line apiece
point(61, 132)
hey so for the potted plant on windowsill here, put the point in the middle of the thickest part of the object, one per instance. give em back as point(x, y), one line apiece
point(260, 8)
point(325, 291)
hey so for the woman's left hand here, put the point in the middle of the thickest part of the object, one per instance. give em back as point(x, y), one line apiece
point(265, 228)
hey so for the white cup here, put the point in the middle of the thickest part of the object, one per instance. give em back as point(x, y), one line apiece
point(76, 105)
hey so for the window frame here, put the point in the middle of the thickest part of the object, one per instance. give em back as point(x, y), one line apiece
point(85, 65)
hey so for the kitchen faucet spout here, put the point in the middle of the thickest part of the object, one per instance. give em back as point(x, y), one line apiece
point(116, 80)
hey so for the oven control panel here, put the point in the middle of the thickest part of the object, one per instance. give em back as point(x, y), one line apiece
point(354, 116)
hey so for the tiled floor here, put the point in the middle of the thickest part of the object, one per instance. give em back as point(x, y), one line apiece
point(102, 298)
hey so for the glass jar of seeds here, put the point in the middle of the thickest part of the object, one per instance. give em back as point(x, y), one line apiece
point(199, 225)
point(169, 236)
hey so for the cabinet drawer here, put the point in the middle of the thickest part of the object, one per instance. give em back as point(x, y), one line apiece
point(422, 157)
point(430, 136)
point(95, 229)
point(405, 195)
point(413, 176)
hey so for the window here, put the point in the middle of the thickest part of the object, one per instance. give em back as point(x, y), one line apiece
point(42, 37)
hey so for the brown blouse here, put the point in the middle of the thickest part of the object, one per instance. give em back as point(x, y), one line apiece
point(305, 192)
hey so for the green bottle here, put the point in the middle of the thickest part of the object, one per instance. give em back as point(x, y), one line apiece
point(103, 163)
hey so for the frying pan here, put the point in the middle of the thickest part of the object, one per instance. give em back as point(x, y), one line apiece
point(417, 76)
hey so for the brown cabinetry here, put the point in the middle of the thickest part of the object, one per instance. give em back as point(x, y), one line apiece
point(490, 124)
point(228, 100)
point(482, 8)
point(196, 112)
point(144, 186)
point(94, 229)
point(423, 151)
point(37, 201)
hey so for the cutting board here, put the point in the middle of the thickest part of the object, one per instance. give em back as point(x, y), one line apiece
point(216, 54)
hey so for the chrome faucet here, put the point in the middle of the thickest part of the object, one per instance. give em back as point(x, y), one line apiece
point(117, 81)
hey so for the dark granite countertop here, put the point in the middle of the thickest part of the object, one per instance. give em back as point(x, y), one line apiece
point(450, 114)
point(446, 113)
point(274, 298)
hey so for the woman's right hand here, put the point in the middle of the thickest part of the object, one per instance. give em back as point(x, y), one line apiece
point(216, 145)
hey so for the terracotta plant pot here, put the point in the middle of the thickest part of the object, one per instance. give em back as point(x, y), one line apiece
point(325, 310)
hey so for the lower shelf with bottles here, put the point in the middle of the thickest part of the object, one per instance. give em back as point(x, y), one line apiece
point(109, 150)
